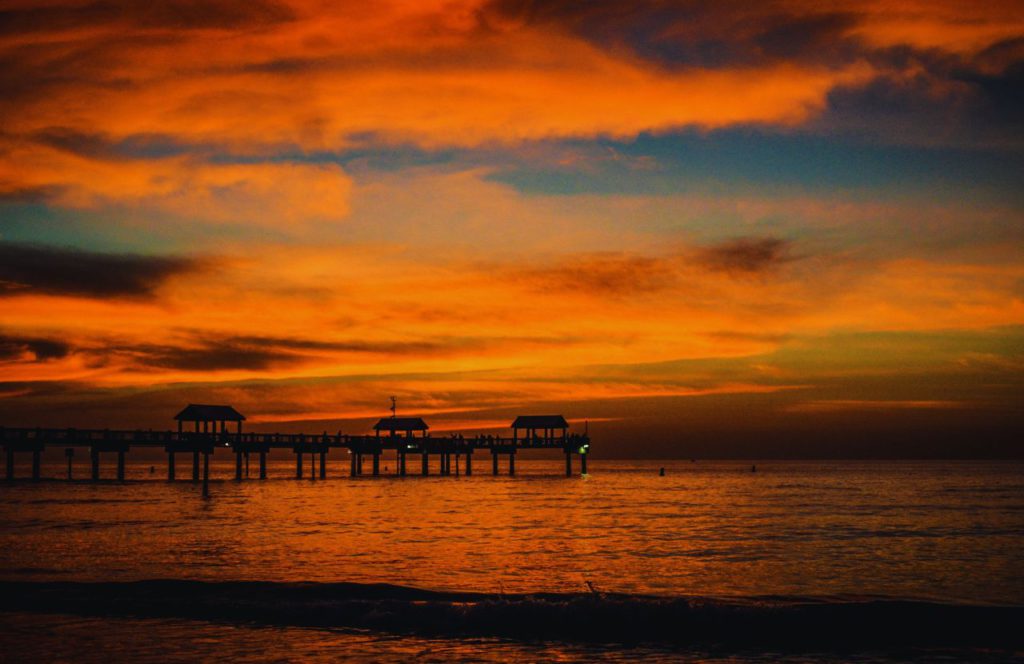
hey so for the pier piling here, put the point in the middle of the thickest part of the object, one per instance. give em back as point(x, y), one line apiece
point(323, 464)
point(10, 464)
point(494, 462)
point(195, 466)
point(298, 465)
point(70, 454)
point(238, 466)
point(120, 465)
point(376, 464)
point(35, 465)
point(469, 463)
point(95, 454)
point(511, 463)
point(426, 463)
point(568, 463)
point(263, 465)
point(170, 466)
point(206, 475)
point(583, 464)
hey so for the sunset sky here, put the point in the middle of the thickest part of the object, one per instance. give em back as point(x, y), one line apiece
point(706, 228)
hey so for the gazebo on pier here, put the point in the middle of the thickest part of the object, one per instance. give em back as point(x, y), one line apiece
point(394, 425)
point(550, 425)
point(208, 418)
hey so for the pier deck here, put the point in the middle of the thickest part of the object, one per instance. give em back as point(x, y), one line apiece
point(202, 444)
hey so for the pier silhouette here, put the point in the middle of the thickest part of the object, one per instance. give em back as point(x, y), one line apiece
point(210, 431)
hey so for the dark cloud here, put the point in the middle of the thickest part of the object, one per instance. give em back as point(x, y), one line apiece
point(794, 37)
point(604, 274)
point(26, 194)
point(688, 33)
point(36, 269)
point(216, 356)
point(75, 142)
point(246, 353)
point(745, 255)
point(933, 97)
point(14, 347)
point(158, 14)
point(97, 146)
point(257, 353)
point(758, 337)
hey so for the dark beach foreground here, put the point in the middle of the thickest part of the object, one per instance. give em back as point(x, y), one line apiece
point(786, 624)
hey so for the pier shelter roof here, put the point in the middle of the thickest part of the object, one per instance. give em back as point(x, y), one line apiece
point(401, 424)
point(540, 422)
point(197, 412)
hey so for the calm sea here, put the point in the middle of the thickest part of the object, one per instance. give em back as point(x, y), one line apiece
point(888, 538)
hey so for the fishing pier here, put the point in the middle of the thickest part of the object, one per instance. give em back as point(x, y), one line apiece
point(202, 429)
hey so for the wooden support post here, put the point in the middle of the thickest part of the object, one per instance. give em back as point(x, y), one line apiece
point(35, 465)
point(263, 465)
point(120, 465)
point(10, 464)
point(246, 460)
point(583, 464)
point(312, 465)
point(469, 462)
point(238, 466)
point(298, 465)
point(70, 454)
point(95, 464)
point(456, 464)
point(206, 475)
point(401, 464)
point(359, 463)
point(494, 462)
point(376, 464)
point(511, 463)
point(195, 465)
point(426, 463)
point(353, 460)
point(323, 464)
point(568, 463)
point(170, 466)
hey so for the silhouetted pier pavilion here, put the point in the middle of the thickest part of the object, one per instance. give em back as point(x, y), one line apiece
point(202, 428)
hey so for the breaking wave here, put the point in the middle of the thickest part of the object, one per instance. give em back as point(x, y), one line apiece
point(792, 623)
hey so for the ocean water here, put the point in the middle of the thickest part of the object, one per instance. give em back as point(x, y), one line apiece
point(722, 563)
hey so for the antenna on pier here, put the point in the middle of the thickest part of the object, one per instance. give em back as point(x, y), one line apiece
point(394, 406)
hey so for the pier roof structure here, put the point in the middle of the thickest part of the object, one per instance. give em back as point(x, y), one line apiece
point(540, 422)
point(197, 412)
point(209, 417)
point(401, 424)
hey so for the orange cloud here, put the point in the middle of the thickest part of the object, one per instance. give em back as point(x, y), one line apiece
point(427, 74)
point(256, 194)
